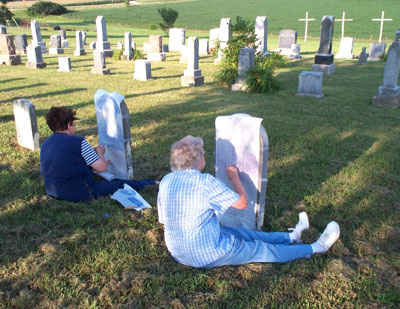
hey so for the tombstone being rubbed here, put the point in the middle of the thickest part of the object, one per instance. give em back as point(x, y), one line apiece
point(35, 60)
point(25, 123)
point(241, 140)
point(8, 55)
point(192, 76)
point(102, 43)
point(113, 123)
point(37, 36)
point(389, 92)
point(324, 59)
point(246, 62)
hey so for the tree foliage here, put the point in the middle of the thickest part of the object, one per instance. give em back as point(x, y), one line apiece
point(46, 8)
point(5, 13)
point(169, 17)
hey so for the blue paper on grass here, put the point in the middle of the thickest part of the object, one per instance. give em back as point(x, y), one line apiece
point(130, 199)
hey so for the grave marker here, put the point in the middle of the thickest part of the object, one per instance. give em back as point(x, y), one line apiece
point(25, 123)
point(102, 43)
point(382, 20)
point(155, 53)
point(287, 44)
point(55, 45)
point(246, 61)
point(35, 60)
point(64, 64)
point(127, 54)
point(310, 84)
point(376, 51)
point(192, 76)
point(37, 36)
point(99, 59)
point(63, 34)
point(343, 19)
point(324, 59)
point(21, 43)
point(79, 50)
point(214, 37)
point(225, 33)
point(142, 70)
point(261, 31)
point(203, 47)
point(363, 57)
point(176, 38)
point(346, 48)
point(8, 55)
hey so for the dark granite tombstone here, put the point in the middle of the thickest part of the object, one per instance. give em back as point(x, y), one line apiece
point(21, 43)
point(287, 37)
point(325, 55)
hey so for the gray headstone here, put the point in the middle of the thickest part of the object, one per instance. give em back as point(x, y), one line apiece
point(241, 140)
point(79, 50)
point(84, 37)
point(310, 84)
point(127, 54)
point(21, 43)
point(287, 37)
point(346, 48)
point(99, 60)
point(25, 123)
point(114, 131)
point(64, 64)
point(142, 70)
point(214, 37)
point(165, 48)
point(63, 34)
point(176, 38)
point(363, 57)
point(246, 61)
point(261, 29)
point(376, 50)
point(55, 45)
point(102, 43)
point(35, 60)
point(192, 75)
point(3, 29)
point(37, 36)
point(8, 54)
point(325, 43)
point(203, 47)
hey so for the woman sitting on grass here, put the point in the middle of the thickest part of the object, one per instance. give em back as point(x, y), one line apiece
point(67, 162)
point(187, 204)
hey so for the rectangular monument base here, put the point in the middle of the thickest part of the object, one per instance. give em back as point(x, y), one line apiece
point(80, 52)
point(10, 59)
point(298, 94)
point(388, 91)
point(323, 59)
point(191, 81)
point(238, 87)
point(324, 68)
point(107, 52)
point(56, 51)
point(386, 101)
point(32, 65)
point(101, 71)
point(156, 57)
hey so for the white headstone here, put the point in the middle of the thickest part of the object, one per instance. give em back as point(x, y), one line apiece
point(99, 59)
point(346, 48)
point(176, 38)
point(203, 47)
point(225, 30)
point(310, 84)
point(35, 60)
point(214, 37)
point(120, 46)
point(79, 50)
point(241, 140)
point(142, 70)
point(127, 54)
point(192, 75)
point(114, 131)
point(92, 45)
point(37, 36)
point(55, 45)
point(246, 62)
point(102, 43)
point(25, 122)
point(261, 26)
point(64, 64)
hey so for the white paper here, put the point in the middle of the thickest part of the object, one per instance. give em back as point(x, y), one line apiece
point(130, 199)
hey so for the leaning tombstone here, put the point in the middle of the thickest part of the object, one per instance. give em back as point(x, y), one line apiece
point(192, 76)
point(114, 131)
point(225, 33)
point(241, 141)
point(99, 59)
point(3, 29)
point(203, 47)
point(127, 54)
point(25, 123)
point(214, 37)
point(120, 46)
point(37, 36)
point(63, 34)
point(79, 50)
point(346, 48)
point(92, 45)
point(310, 84)
point(363, 57)
point(176, 38)
point(102, 43)
point(21, 43)
point(55, 45)
point(64, 64)
point(155, 53)
point(142, 70)
point(246, 62)
point(8, 54)
point(324, 59)
point(376, 51)
point(35, 60)
point(261, 31)
point(389, 93)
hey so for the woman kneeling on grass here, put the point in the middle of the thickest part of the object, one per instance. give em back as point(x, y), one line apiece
point(67, 162)
point(187, 204)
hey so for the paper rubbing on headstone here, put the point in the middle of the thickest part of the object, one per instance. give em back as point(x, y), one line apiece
point(241, 140)
point(130, 199)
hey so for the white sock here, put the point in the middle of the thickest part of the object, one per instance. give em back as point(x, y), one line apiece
point(317, 248)
point(294, 236)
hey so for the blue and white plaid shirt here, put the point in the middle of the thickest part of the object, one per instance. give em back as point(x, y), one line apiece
point(187, 203)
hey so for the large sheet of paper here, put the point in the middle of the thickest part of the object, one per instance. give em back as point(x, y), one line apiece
point(130, 199)
point(241, 140)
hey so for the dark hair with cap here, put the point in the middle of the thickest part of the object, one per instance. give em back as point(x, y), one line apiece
point(58, 118)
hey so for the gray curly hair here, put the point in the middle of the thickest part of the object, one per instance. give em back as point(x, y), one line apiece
point(186, 153)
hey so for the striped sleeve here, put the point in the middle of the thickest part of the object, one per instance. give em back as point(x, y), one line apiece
point(88, 153)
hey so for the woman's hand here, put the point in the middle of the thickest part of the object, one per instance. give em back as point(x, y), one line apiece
point(100, 149)
point(232, 172)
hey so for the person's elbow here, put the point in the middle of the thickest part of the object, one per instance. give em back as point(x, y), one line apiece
point(99, 166)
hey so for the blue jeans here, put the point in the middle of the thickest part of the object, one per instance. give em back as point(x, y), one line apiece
point(254, 246)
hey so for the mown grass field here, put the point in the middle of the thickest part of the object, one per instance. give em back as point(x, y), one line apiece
point(336, 158)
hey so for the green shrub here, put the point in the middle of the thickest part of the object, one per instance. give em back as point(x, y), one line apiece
point(262, 80)
point(127, 3)
point(169, 17)
point(275, 60)
point(117, 54)
point(137, 54)
point(226, 76)
point(46, 8)
point(5, 13)
point(153, 27)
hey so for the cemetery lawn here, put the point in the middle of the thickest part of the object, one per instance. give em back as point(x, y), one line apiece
point(337, 158)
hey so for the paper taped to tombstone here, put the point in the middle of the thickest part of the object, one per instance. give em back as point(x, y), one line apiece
point(130, 199)
point(241, 140)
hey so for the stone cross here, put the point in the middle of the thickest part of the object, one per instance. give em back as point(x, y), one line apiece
point(142, 70)
point(64, 64)
point(25, 123)
point(382, 19)
point(102, 43)
point(261, 31)
point(114, 131)
point(79, 50)
point(306, 29)
point(192, 76)
point(35, 60)
point(246, 62)
point(176, 38)
point(99, 59)
point(37, 36)
point(241, 140)
point(127, 54)
point(343, 19)
point(8, 56)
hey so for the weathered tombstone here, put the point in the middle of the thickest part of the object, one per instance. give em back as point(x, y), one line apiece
point(176, 38)
point(102, 43)
point(99, 59)
point(363, 57)
point(214, 37)
point(184, 54)
point(376, 51)
point(8, 54)
point(92, 45)
point(142, 70)
point(21, 43)
point(246, 61)
point(295, 52)
point(55, 45)
point(37, 36)
point(192, 76)
point(310, 84)
point(35, 60)
point(287, 44)
point(84, 37)
point(241, 140)
point(165, 48)
point(346, 48)
point(324, 59)
point(114, 131)
point(63, 34)
point(79, 50)
point(127, 54)
point(389, 93)
point(225, 33)
point(3, 29)
point(120, 46)
point(155, 53)
point(25, 123)
point(64, 64)
point(261, 30)
point(203, 47)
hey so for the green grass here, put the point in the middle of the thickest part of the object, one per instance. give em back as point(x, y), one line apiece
point(283, 14)
point(336, 158)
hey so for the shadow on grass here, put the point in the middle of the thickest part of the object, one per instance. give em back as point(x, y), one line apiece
point(24, 87)
point(12, 79)
point(47, 94)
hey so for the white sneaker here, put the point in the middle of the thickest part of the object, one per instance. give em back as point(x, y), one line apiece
point(329, 236)
point(302, 225)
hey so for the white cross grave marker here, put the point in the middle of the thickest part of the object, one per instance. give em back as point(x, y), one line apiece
point(306, 20)
point(343, 19)
point(382, 19)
